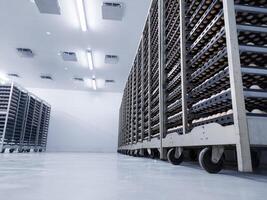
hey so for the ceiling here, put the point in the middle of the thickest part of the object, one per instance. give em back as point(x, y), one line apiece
point(23, 26)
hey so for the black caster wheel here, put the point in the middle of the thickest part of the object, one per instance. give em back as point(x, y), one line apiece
point(28, 150)
point(152, 154)
point(35, 150)
point(40, 150)
point(206, 163)
point(20, 150)
point(255, 159)
point(11, 150)
point(193, 155)
point(3, 150)
point(172, 159)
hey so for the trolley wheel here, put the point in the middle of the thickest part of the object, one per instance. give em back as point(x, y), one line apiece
point(172, 159)
point(40, 150)
point(20, 150)
point(206, 162)
point(28, 150)
point(11, 150)
point(255, 159)
point(3, 150)
point(35, 150)
point(152, 154)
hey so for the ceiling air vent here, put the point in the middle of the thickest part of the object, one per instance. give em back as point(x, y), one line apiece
point(109, 81)
point(46, 77)
point(13, 75)
point(78, 79)
point(25, 53)
point(48, 6)
point(111, 59)
point(112, 11)
point(69, 56)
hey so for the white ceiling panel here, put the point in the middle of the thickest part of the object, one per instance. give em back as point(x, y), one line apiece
point(23, 26)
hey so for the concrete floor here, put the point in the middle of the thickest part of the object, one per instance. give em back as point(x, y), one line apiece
point(88, 176)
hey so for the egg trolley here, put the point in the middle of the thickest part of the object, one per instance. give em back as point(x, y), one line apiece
point(199, 84)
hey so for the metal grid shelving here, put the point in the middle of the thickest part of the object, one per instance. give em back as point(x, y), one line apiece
point(24, 120)
point(199, 82)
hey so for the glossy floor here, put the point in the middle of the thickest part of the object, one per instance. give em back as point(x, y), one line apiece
point(88, 176)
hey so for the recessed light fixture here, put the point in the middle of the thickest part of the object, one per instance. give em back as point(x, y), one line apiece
point(48, 33)
point(90, 59)
point(81, 13)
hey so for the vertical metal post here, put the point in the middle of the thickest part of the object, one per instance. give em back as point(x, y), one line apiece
point(162, 76)
point(143, 89)
point(238, 102)
point(149, 79)
point(16, 118)
point(6, 119)
point(183, 66)
point(39, 124)
point(132, 102)
point(136, 95)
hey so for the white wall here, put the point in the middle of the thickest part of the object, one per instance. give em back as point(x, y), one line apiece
point(82, 121)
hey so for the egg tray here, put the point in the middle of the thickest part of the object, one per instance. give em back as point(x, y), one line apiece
point(175, 130)
point(221, 101)
point(172, 33)
point(224, 120)
point(191, 5)
point(205, 19)
point(171, 15)
point(174, 52)
point(173, 83)
point(214, 65)
point(176, 106)
point(172, 37)
point(254, 76)
point(217, 43)
point(211, 86)
point(208, 33)
point(175, 94)
point(155, 110)
point(256, 99)
point(177, 118)
point(174, 71)
point(250, 15)
point(196, 15)
point(174, 60)
point(259, 3)
point(171, 6)
point(251, 37)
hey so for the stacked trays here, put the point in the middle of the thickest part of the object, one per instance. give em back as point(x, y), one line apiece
point(154, 71)
point(199, 84)
point(24, 120)
point(172, 67)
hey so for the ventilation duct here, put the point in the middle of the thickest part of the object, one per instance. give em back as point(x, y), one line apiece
point(48, 6)
point(69, 56)
point(111, 59)
point(25, 53)
point(112, 11)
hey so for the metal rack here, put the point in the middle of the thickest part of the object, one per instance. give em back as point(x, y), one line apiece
point(201, 84)
point(24, 120)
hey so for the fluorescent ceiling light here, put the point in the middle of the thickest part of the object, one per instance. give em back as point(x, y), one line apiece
point(3, 78)
point(81, 13)
point(90, 60)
